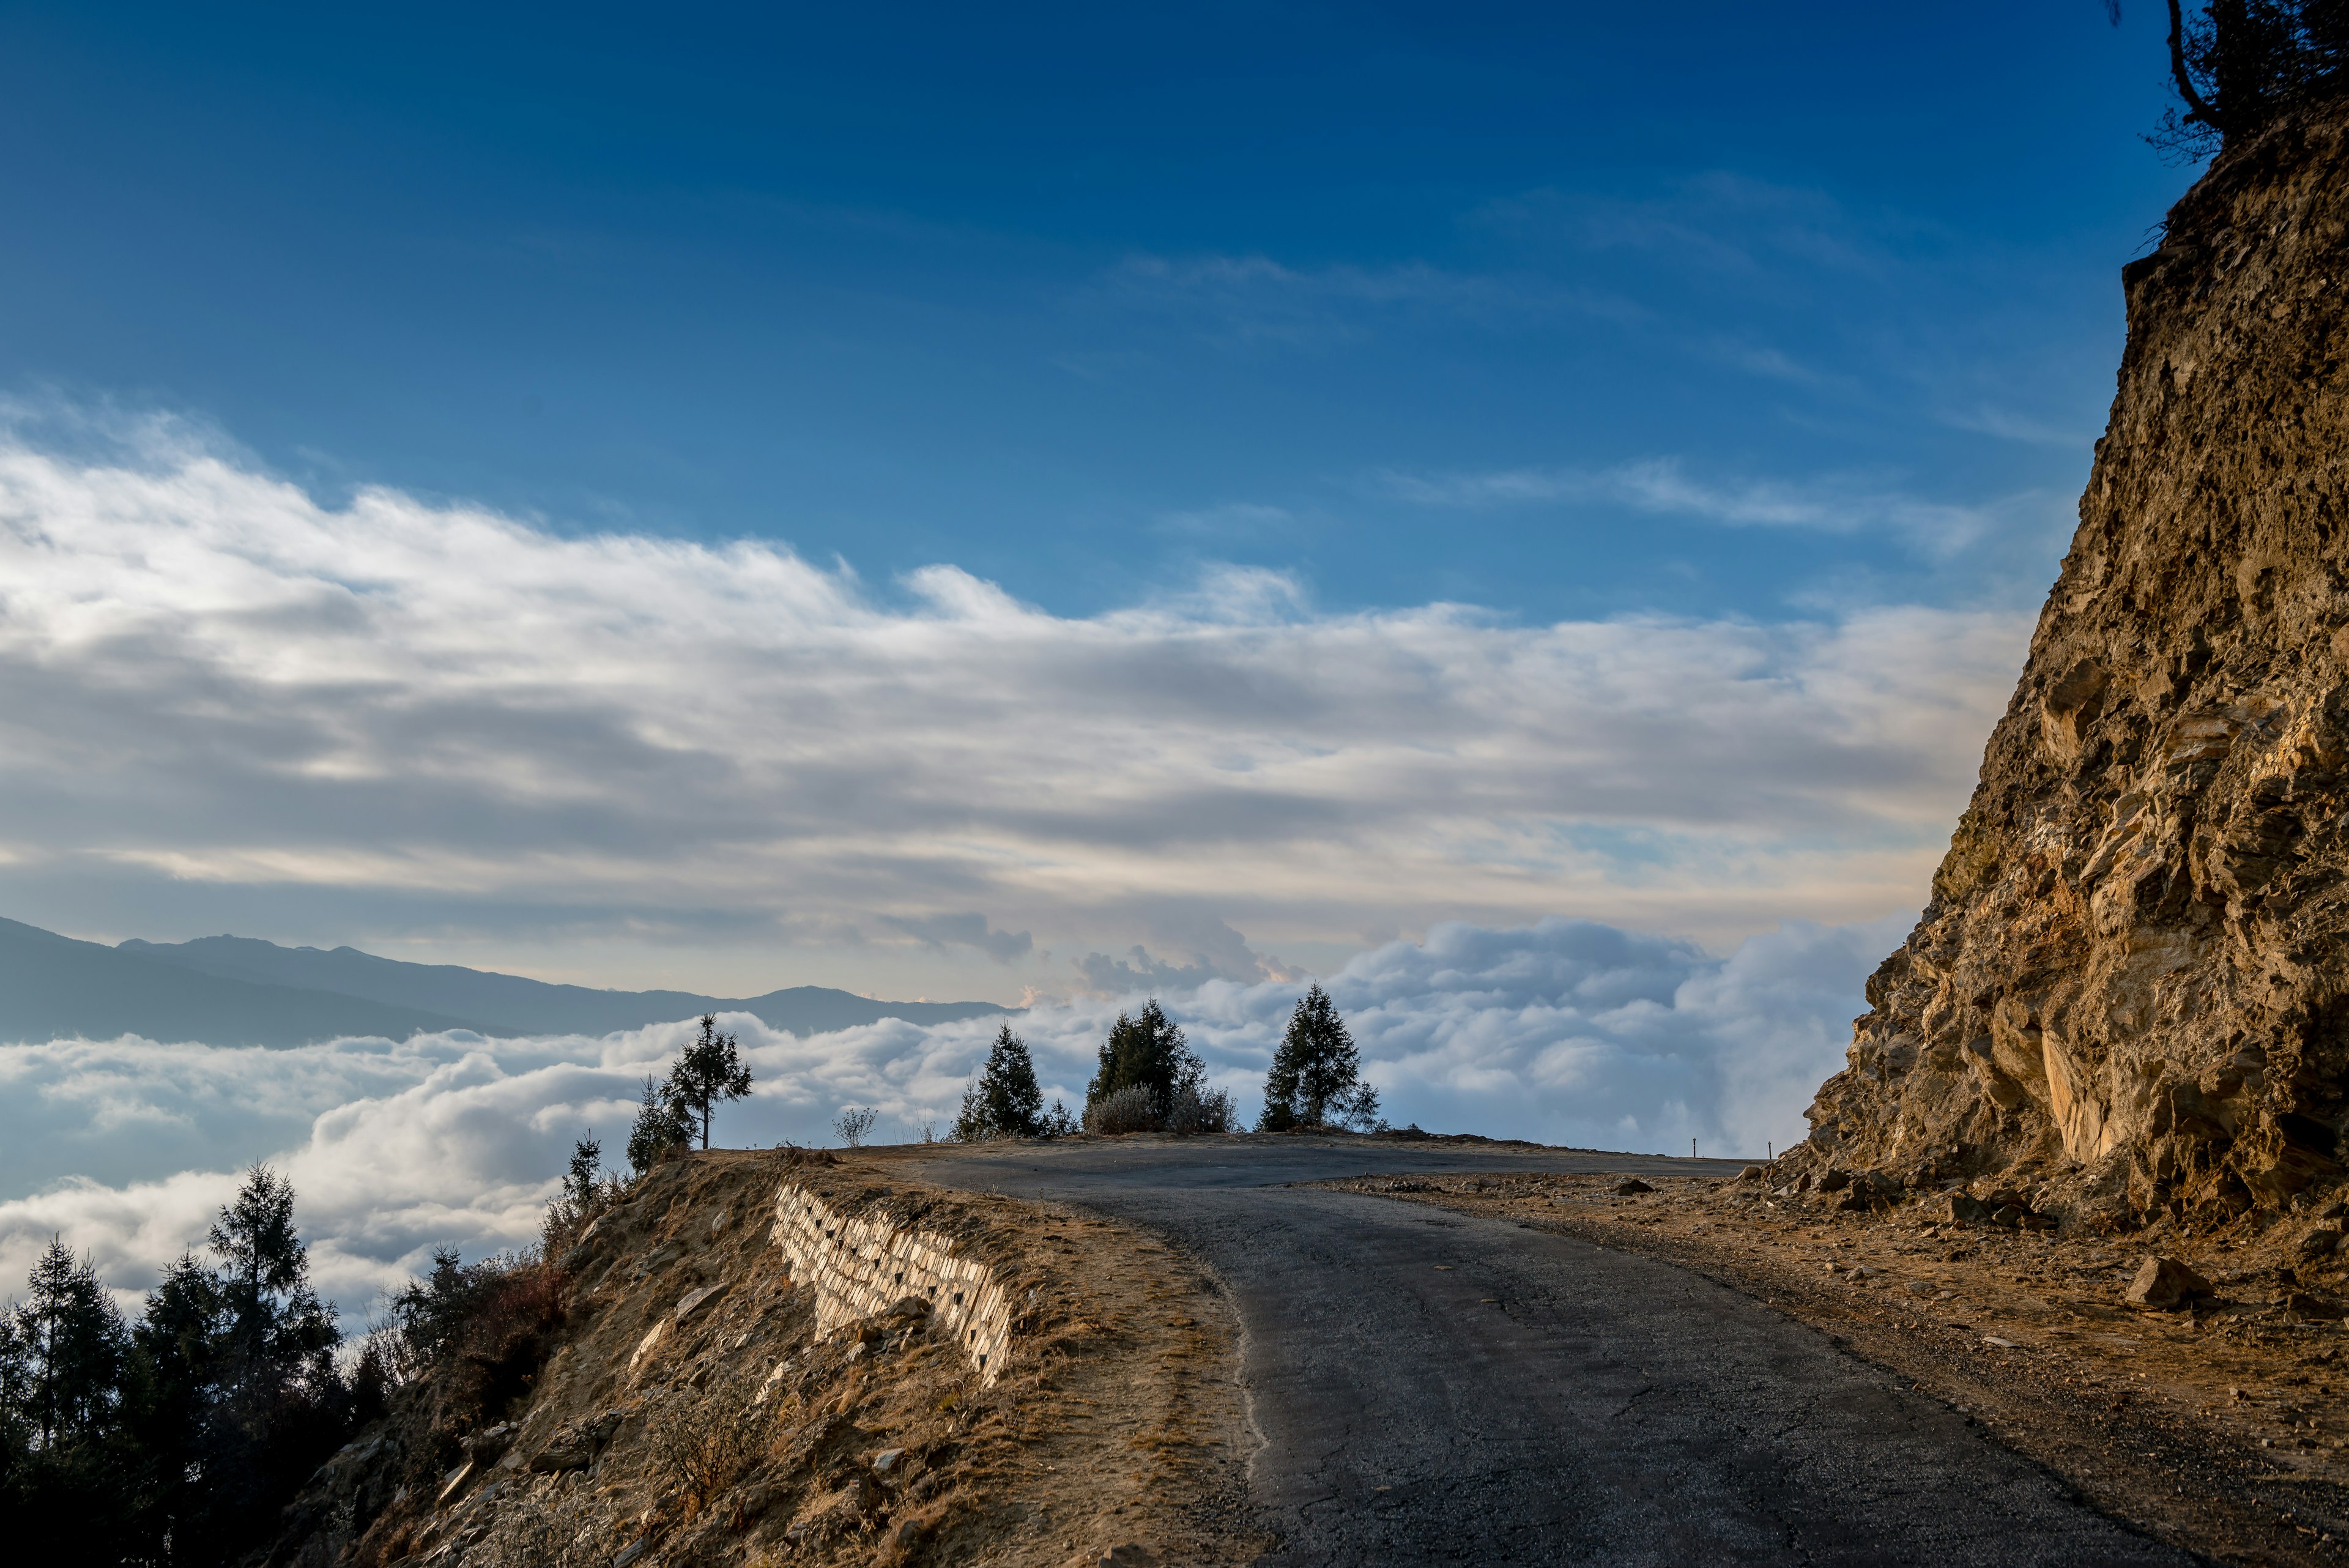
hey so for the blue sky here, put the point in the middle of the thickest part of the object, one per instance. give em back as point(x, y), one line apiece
point(1410, 303)
point(1006, 504)
point(1040, 504)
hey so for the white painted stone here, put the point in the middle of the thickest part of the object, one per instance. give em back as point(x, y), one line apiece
point(862, 1266)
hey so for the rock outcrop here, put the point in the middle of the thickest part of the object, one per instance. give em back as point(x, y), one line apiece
point(2130, 990)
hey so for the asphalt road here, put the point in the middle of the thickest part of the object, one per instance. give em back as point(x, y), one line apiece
point(1430, 1387)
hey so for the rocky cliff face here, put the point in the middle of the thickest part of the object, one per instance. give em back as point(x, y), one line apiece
point(2131, 987)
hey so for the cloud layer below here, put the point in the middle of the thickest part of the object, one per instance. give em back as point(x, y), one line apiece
point(415, 721)
point(1566, 1031)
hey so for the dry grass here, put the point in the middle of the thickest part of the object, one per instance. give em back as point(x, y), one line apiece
point(705, 1447)
point(733, 1436)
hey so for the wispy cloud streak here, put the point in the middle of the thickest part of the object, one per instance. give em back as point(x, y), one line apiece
point(208, 677)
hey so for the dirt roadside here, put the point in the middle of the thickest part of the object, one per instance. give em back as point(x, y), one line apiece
point(2218, 1428)
point(681, 1408)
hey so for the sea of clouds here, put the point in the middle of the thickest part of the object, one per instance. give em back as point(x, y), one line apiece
point(1563, 1031)
point(444, 732)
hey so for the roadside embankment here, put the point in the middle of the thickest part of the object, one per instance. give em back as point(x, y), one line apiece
point(750, 1361)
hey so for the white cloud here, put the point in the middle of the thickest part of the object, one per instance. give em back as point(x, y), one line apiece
point(1563, 1031)
point(418, 718)
point(1830, 504)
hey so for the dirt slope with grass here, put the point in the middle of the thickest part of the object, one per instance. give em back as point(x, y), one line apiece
point(657, 1395)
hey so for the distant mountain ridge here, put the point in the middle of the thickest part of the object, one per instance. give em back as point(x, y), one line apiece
point(241, 990)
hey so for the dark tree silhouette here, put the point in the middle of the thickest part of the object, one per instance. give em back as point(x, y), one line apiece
point(1317, 1063)
point(2237, 64)
point(1006, 1101)
point(663, 1125)
point(74, 1343)
point(183, 1438)
point(1149, 1051)
point(709, 1073)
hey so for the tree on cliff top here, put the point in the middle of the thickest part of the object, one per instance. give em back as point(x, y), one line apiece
point(663, 1125)
point(709, 1073)
point(2237, 64)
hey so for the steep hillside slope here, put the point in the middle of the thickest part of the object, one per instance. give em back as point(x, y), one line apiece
point(2130, 990)
point(758, 1359)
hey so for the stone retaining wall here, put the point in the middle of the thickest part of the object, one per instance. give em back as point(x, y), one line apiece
point(861, 1266)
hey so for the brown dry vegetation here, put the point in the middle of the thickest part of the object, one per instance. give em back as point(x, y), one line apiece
point(2217, 1428)
point(614, 1431)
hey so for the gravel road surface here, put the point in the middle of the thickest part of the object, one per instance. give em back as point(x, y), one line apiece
point(1430, 1387)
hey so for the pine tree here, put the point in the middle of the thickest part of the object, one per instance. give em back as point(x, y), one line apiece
point(275, 1401)
point(662, 1125)
point(579, 1180)
point(1316, 1065)
point(64, 1364)
point(1145, 1051)
point(176, 1342)
point(709, 1073)
point(1006, 1101)
point(74, 1345)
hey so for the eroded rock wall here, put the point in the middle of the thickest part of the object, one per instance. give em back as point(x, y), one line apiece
point(2131, 985)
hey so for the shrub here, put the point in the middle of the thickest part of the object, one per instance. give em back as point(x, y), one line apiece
point(703, 1446)
point(1128, 1110)
point(586, 1193)
point(564, 1530)
point(1200, 1110)
point(488, 1322)
point(854, 1123)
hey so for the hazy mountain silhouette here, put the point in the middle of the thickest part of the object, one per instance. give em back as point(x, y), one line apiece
point(236, 991)
point(53, 987)
point(510, 1004)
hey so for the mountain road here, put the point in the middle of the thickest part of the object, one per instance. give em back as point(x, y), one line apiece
point(1433, 1387)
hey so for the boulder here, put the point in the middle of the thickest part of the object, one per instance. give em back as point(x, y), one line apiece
point(1961, 1209)
point(1632, 1187)
point(2164, 1283)
point(694, 1301)
point(572, 1453)
point(486, 1445)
